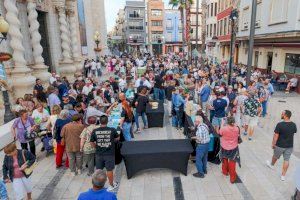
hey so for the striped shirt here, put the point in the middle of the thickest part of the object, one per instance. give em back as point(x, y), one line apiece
point(202, 134)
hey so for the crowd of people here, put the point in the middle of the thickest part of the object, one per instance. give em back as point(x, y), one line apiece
point(202, 101)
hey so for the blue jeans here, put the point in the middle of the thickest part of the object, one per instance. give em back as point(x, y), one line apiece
point(201, 157)
point(126, 131)
point(159, 94)
point(264, 108)
point(136, 118)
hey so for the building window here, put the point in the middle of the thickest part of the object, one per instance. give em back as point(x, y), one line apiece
point(215, 29)
point(258, 15)
point(135, 13)
point(169, 24)
point(210, 31)
point(156, 12)
point(135, 25)
point(180, 36)
point(292, 63)
point(216, 9)
point(245, 18)
point(225, 26)
point(279, 11)
point(207, 27)
point(156, 23)
point(221, 27)
point(208, 10)
point(211, 9)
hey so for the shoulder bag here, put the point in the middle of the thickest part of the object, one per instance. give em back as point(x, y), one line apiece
point(29, 169)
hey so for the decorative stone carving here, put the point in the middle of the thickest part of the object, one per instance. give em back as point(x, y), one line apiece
point(40, 70)
point(20, 74)
point(67, 67)
point(65, 39)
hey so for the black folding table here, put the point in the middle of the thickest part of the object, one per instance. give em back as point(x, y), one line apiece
point(170, 154)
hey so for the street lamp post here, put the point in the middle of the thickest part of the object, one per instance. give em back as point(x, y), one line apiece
point(97, 41)
point(251, 41)
point(233, 17)
point(197, 26)
point(8, 114)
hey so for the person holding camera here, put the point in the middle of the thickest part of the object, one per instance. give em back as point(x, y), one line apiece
point(23, 131)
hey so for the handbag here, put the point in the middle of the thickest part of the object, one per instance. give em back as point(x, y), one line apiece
point(28, 170)
point(240, 140)
point(28, 135)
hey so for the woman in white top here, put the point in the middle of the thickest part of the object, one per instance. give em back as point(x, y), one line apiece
point(40, 116)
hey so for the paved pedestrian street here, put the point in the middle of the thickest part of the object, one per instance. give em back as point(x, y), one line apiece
point(256, 180)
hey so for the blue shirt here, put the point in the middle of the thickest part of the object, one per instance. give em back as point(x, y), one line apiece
point(219, 106)
point(97, 195)
point(204, 94)
point(62, 90)
point(177, 101)
point(270, 88)
point(59, 124)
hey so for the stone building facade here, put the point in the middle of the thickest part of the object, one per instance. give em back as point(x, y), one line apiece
point(43, 37)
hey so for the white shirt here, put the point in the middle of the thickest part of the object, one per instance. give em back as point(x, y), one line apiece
point(93, 65)
point(122, 84)
point(92, 111)
point(87, 89)
point(51, 121)
point(145, 83)
point(98, 65)
point(37, 116)
point(52, 80)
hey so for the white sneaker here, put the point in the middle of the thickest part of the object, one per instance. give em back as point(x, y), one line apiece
point(112, 188)
point(282, 178)
point(270, 165)
point(79, 172)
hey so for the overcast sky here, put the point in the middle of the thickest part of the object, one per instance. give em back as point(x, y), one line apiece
point(111, 10)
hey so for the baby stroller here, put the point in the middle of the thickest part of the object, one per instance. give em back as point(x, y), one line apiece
point(47, 140)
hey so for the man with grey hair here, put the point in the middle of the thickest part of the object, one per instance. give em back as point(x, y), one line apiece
point(202, 139)
point(98, 191)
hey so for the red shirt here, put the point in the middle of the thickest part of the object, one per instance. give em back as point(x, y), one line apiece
point(229, 139)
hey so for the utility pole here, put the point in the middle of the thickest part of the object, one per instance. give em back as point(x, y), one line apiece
point(251, 41)
point(233, 17)
point(197, 26)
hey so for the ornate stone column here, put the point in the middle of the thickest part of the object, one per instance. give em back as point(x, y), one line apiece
point(73, 32)
point(23, 81)
point(67, 67)
point(40, 70)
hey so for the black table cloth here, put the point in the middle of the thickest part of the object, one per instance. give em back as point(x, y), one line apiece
point(155, 117)
point(170, 154)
